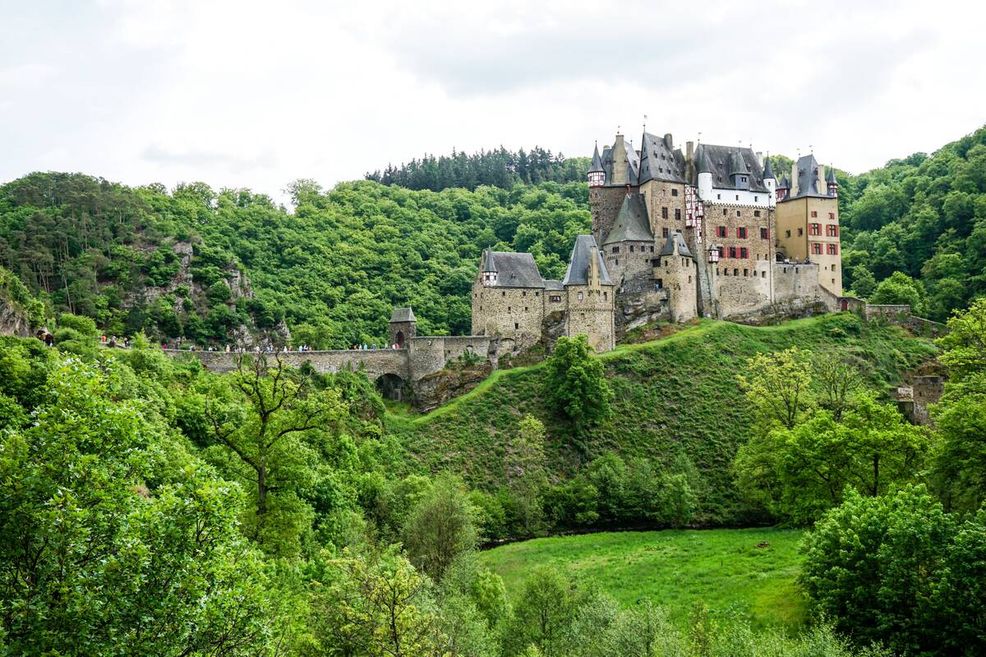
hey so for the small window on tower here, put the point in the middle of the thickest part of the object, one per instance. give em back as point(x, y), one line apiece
point(664, 232)
point(616, 249)
point(787, 233)
point(664, 213)
point(674, 192)
point(756, 213)
point(677, 214)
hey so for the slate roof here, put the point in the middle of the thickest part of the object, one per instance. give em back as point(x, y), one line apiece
point(720, 162)
point(513, 269)
point(631, 222)
point(676, 240)
point(597, 161)
point(830, 176)
point(550, 284)
point(633, 164)
point(659, 160)
point(402, 315)
point(578, 264)
point(784, 183)
point(808, 179)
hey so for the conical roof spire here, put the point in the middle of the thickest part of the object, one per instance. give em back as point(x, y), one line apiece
point(830, 176)
point(737, 165)
point(768, 172)
point(702, 165)
point(488, 265)
point(597, 161)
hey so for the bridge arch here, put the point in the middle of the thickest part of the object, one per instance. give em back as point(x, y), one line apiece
point(393, 386)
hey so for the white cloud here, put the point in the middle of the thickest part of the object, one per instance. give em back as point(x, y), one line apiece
point(256, 94)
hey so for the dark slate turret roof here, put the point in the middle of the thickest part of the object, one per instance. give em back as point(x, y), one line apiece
point(768, 171)
point(488, 261)
point(784, 183)
point(737, 165)
point(631, 222)
point(830, 176)
point(659, 160)
point(578, 264)
point(808, 178)
point(720, 163)
point(597, 161)
point(513, 269)
point(402, 315)
point(675, 240)
point(702, 164)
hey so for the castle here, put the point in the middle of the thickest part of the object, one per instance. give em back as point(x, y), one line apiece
point(710, 232)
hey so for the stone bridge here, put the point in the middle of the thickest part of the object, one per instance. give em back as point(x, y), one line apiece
point(395, 371)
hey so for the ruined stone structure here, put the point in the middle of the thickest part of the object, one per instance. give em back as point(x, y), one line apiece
point(758, 247)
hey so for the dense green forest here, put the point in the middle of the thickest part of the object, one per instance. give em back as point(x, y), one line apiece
point(499, 168)
point(151, 507)
point(207, 265)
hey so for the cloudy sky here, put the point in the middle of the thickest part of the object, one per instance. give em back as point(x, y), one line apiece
point(257, 94)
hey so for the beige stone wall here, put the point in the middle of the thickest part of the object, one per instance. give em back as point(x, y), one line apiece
point(590, 312)
point(795, 281)
point(659, 195)
point(679, 276)
point(740, 284)
point(604, 204)
point(795, 238)
point(630, 262)
point(514, 313)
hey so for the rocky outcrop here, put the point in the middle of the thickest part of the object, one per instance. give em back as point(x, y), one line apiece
point(435, 389)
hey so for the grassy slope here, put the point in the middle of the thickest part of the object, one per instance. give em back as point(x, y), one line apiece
point(673, 397)
point(722, 569)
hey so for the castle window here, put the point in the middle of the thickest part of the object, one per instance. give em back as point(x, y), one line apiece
point(677, 214)
point(524, 293)
point(831, 230)
point(816, 248)
point(508, 309)
point(756, 213)
point(652, 249)
point(741, 232)
point(732, 252)
point(504, 293)
point(814, 229)
point(737, 197)
point(746, 272)
point(616, 262)
point(721, 231)
point(664, 232)
point(525, 309)
point(832, 249)
point(664, 213)
point(537, 294)
point(674, 192)
point(763, 274)
point(717, 273)
point(738, 213)
point(831, 215)
point(516, 325)
point(801, 232)
point(631, 248)
point(554, 298)
point(689, 279)
point(616, 249)
point(581, 296)
point(744, 253)
point(735, 272)
point(787, 233)
point(605, 296)
point(756, 199)
point(658, 284)
point(814, 213)
point(725, 212)
point(764, 233)
point(742, 178)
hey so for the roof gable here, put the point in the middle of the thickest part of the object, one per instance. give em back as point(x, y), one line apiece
point(631, 222)
point(721, 161)
point(514, 269)
point(578, 265)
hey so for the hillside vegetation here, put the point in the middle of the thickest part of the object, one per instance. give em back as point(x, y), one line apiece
point(736, 573)
point(676, 401)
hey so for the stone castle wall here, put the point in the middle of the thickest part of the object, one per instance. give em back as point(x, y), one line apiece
point(591, 315)
point(516, 313)
point(664, 198)
point(679, 276)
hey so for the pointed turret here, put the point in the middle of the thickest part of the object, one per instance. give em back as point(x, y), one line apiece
point(704, 170)
point(597, 175)
point(737, 165)
point(703, 162)
point(768, 171)
point(488, 267)
point(783, 188)
point(831, 184)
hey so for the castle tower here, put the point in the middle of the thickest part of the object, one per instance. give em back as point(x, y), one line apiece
point(597, 175)
point(704, 174)
point(739, 172)
point(769, 181)
point(831, 184)
point(677, 272)
point(589, 292)
point(629, 247)
point(403, 326)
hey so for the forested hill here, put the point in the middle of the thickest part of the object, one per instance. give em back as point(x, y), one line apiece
point(205, 264)
point(499, 167)
point(201, 264)
point(924, 217)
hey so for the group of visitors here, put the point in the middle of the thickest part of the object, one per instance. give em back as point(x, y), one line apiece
point(45, 336)
point(113, 341)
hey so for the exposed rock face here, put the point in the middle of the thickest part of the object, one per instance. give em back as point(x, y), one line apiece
point(13, 321)
point(435, 389)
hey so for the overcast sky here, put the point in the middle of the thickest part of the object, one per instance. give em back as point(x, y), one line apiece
point(257, 94)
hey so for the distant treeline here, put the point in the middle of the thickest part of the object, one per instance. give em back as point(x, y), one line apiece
point(499, 168)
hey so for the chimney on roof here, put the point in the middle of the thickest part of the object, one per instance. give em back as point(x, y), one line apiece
point(690, 160)
point(795, 182)
point(668, 141)
point(760, 158)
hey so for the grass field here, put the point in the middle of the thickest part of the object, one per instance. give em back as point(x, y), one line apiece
point(722, 569)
